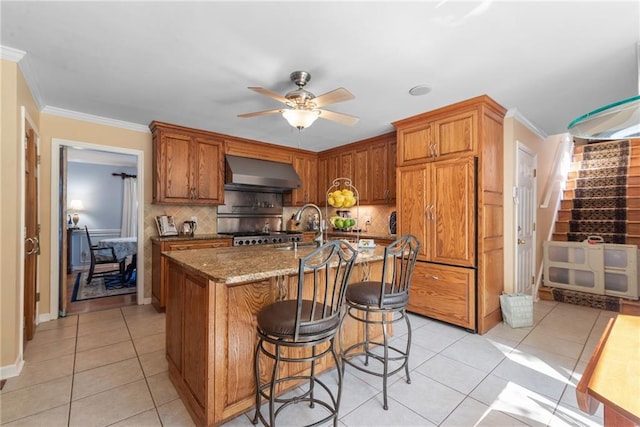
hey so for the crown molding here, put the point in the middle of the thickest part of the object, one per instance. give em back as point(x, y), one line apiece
point(11, 54)
point(23, 61)
point(515, 114)
point(55, 111)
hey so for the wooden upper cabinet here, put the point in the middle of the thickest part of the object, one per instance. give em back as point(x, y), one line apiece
point(456, 134)
point(383, 171)
point(188, 166)
point(362, 174)
point(392, 162)
point(439, 138)
point(417, 144)
point(347, 166)
point(370, 164)
point(327, 172)
point(306, 165)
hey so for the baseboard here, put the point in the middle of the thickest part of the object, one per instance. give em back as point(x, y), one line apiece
point(11, 371)
point(45, 317)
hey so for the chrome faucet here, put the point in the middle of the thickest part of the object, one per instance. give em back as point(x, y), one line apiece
point(318, 239)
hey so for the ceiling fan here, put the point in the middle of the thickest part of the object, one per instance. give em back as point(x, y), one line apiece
point(304, 106)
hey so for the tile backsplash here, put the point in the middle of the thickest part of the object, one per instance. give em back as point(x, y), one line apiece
point(379, 217)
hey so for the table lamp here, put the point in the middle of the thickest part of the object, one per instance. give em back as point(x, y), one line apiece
point(75, 206)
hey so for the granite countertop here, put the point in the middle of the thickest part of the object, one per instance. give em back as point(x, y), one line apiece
point(251, 263)
point(186, 238)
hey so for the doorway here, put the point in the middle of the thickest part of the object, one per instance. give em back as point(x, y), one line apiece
point(68, 225)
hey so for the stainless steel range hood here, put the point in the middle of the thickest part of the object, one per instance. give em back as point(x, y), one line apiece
point(243, 173)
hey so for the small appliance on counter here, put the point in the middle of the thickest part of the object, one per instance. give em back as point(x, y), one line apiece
point(189, 228)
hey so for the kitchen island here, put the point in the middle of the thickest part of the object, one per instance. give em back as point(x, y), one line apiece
point(213, 297)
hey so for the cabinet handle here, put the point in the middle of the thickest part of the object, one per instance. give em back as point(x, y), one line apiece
point(433, 212)
point(435, 277)
point(432, 150)
point(435, 150)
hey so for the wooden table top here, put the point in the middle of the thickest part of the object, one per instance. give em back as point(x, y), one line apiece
point(616, 378)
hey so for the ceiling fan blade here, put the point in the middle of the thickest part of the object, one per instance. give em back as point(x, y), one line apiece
point(260, 113)
point(345, 119)
point(333, 97)
point(270, 94)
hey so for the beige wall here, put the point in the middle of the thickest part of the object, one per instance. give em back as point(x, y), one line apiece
point(14, 94)
point(545, 149)
point(81, 131)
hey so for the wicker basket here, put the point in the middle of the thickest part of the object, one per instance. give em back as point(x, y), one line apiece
point(517, 310)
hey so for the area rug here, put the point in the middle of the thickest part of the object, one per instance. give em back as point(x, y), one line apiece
point(101, 287)
point(603, 302)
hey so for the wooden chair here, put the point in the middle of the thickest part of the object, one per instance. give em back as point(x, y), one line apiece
point(101, 256)
point(302, 330)
point(378, 304)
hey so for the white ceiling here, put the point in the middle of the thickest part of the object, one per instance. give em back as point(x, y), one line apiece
point(190, 63)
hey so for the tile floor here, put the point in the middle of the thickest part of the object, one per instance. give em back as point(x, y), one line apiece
point(107, 368)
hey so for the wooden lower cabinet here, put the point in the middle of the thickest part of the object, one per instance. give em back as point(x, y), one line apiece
point(159, 275)
point(445, 293)
point(211, 339)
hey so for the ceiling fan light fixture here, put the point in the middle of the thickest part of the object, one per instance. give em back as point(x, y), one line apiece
point(300, 119)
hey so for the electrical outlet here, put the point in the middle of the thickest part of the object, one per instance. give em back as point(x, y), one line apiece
point(194, 219)
point(367, 220)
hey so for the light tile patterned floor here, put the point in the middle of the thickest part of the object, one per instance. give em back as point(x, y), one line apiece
point(108, 368)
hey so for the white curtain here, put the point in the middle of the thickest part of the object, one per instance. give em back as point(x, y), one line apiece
point(130, 208)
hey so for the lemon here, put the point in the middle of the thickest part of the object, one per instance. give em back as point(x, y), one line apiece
point(331, 201)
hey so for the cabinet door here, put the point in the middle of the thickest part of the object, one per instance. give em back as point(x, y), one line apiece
point(306, 167)
point(362, 173)
point(347, 166)
point(392, 161)
point(172, 168)
point(456, 134)
point(451, 212)
point(207, 179)
point(444, 292)
point(412, 183)
point(195, 337)
point(327, 172)
point(379, 173)
point(175, 308)
point(415, 144)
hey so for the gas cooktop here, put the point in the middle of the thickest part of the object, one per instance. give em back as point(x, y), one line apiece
point(250, 238)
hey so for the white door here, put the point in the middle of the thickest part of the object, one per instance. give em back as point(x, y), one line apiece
point(525, 198)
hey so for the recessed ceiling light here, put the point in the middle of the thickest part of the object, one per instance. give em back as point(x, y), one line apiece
point(419, 90)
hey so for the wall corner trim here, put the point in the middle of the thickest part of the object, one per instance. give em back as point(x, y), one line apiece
point(515, 114)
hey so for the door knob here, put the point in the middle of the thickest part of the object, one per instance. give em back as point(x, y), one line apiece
point(521, 241)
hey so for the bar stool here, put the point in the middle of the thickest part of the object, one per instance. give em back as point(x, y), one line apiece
point(383, 303)
point(287, 329)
